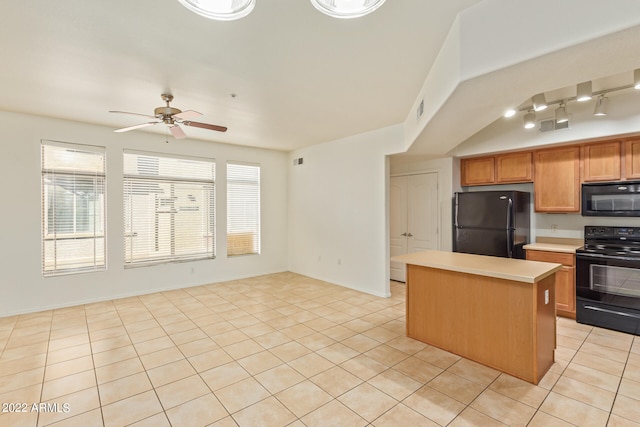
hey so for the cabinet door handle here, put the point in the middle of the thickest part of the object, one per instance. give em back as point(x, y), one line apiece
point(409, 235)
point(403, 234)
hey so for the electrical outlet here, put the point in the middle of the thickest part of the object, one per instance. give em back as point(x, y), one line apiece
point(546, 296)
point(554, 228)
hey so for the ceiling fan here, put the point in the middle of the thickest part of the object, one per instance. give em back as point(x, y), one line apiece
point(172, 117)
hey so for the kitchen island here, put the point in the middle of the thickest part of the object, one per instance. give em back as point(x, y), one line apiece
point(499, 312)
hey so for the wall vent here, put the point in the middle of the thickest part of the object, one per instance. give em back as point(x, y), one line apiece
point(298, 161)
point(551, 125)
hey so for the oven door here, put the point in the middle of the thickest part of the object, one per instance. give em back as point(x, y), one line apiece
point(608, 291)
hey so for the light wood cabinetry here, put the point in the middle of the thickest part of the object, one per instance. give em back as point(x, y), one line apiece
point(478, 171)
point(499, 169)
point(601, 161)
point(565, 279)
point(632, 158)
point(557, 183)
point(514, 167)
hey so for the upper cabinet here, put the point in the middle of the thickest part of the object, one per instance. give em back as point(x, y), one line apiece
point(557, 183)
point(514, 167)
point(498, 169)
point(601, 161)
point(478, 171)
point(632, 158)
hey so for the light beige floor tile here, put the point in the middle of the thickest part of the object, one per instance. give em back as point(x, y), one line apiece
point(502, 408)
point(437, 357)
point(418, 369)
point(78, 403)
point(198, 412)
point(599, 363)
point(618, 421)
point(147, 334)
point(627, 407)
point(161, 357)
point(585, 393)
point(336, 381)
point(243, 349)
point(592, 377)
point(401, 415)
point(339, 332)
point(259, 362)
point(69, 367)
point(361, 343)
point(25, 351)
point(290, 351)
point(367, 401)
point(316, 341)
point(30, 394)
point(67, 385)
point(88, 419)
point(141, 325)
point(541, 419)
point(132, 409)
point(363, 367)
point(311, 364)
point(197, 347)
point(380, 334)
point(473, 371)
point(303, 398)
point(188, 336)
point(471, 417)
point(337, 353)
point(279, 378)
point(170, 372)
point(68, 353)
point(181, 391)
point(456, 387)
point(124, 387)
point(69, 341)
point(118, 370)
point(630, 388)
point(395, 384)
point(604, 352)
point(549, 380)
point(230, 337)
point(333, 413)
point(568, 342)
point(612, 339)
point(241, 395)
point(519, 390)
point(268, 412)
point(19, 419)
point(158, 420)
point(113, 356)
point(153, 345)
point(386, 355)
point(407, 345)
point(224, 375)
point(572, 411)
point(210, 359)
point(21, 364)
point(434, 405)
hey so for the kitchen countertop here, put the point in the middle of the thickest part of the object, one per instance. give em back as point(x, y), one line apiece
point(551, 244)
point(518, 270)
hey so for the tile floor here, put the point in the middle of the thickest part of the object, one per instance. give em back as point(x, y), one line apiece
point(282, 350)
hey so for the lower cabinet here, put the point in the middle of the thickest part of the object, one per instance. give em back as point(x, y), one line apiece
point(565, 279)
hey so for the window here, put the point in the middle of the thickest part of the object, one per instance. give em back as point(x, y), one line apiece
point(169, 205)
point(243, 209)
point(73, 208)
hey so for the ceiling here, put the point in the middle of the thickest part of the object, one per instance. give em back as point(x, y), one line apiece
point(300, 77)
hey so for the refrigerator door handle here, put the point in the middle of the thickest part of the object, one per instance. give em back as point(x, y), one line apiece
point(455, 214)
point(509, 245)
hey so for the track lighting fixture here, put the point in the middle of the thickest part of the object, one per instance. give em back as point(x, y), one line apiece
point(602, 106)
point(636, 78)
point(529, 120)
point(539, 102)
point(584, 91)
point(346, 8)
point(561, 114)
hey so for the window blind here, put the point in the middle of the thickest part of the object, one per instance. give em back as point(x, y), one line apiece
point(73, 208)
point(169, 208)
point(243, 209)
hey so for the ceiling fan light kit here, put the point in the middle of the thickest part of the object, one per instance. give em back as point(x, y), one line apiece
point(172, 117)
point(229, 10)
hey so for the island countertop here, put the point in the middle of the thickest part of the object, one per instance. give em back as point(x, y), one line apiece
point(519, 270)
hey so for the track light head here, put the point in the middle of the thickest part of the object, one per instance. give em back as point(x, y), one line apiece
point(539, 102)
point(602, 106)
point(636, 78)
point(530, 120)
point(584, 91)
point(561, 114)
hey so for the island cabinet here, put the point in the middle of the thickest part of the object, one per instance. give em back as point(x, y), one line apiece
point(499, 312)
point(565, 279)
point(557, 183)
point(601, 161)
point(498, 169)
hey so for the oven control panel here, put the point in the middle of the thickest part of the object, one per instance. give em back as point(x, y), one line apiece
point(591, 231)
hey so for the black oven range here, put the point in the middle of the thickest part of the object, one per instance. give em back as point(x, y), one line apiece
point(608, 278)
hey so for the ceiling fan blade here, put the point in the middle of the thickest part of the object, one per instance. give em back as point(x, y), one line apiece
point(186, 115)
point(134, 114)
point(177, 132)
point(205, 126)
point(141, 125)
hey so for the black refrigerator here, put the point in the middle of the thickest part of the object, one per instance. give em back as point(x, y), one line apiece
point(493, 223)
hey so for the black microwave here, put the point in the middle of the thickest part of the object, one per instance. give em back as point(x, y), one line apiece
point(620, 198)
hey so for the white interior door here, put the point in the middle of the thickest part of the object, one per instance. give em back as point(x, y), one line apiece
point(398, 224)
point(414, 217)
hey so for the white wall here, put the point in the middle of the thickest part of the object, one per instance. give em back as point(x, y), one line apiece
point(338, 213)
point(21, 282)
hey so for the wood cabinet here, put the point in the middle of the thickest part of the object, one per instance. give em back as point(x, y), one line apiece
point(565, 279)
point(498, 169)
point(514, 167)
point(478, 171)
point(601, 161)
point(632, 158)
point(557, 183)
